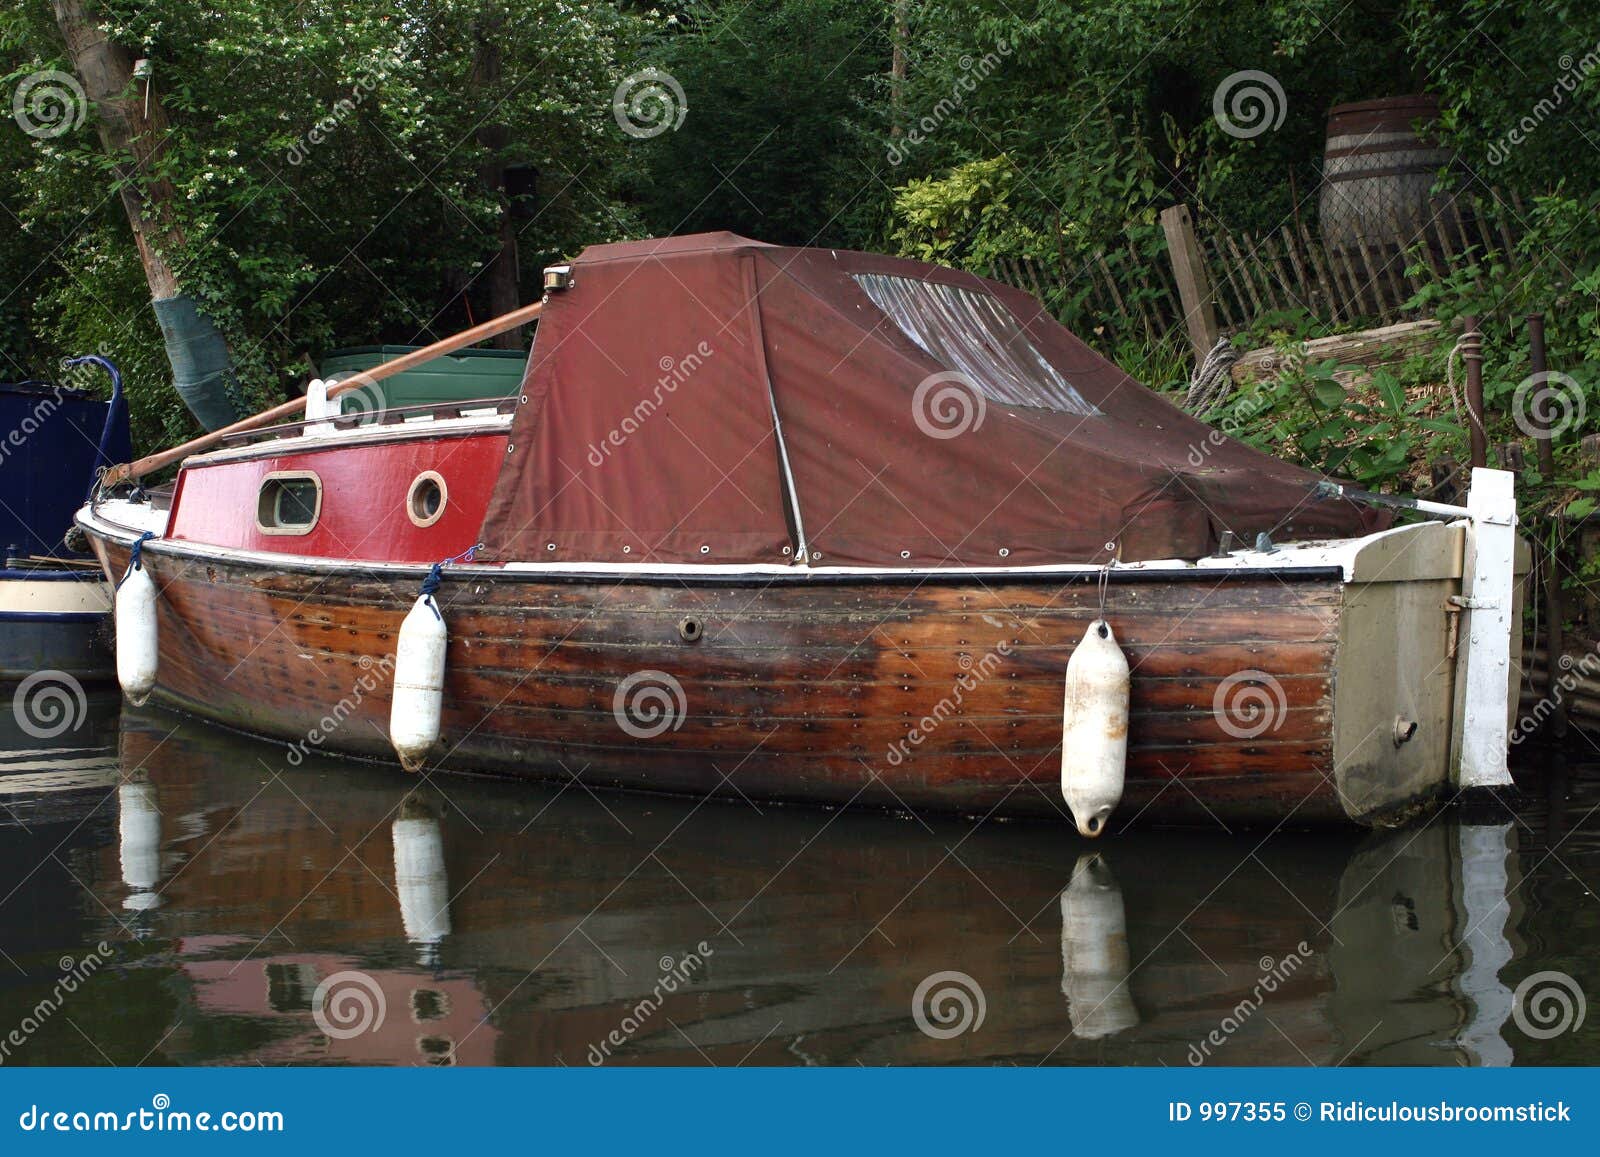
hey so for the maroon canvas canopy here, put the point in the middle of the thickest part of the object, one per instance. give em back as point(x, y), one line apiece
point(714, 399)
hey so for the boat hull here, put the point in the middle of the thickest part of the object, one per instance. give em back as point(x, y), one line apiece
point(904, 692)
point(56, 621)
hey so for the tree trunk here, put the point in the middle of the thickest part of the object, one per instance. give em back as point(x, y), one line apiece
point(500, 278)
point(897, 68)
point(125, 127)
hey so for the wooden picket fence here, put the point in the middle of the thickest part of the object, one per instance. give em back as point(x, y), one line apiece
point(1130, 288)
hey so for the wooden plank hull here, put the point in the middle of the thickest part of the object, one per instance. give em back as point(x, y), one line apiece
point(898, 693)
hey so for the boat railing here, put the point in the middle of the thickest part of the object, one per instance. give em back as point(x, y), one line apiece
point(395, 416)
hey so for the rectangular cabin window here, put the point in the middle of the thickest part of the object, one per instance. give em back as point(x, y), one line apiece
point(289, 503)
point(976, 336)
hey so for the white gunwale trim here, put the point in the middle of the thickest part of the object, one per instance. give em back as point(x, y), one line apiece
point(1337, 554)
point(484, 422)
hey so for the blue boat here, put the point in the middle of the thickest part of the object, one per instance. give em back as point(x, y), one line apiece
point(54, 603)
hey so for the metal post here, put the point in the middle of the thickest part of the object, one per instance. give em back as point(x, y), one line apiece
point(1472, 354)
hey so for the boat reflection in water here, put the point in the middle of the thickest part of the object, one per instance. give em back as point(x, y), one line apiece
point(337, 913)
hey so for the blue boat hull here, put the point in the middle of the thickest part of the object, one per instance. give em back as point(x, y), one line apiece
point(55, 621)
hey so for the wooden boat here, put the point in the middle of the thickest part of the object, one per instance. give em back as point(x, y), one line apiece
point(54, 602)
point(820, 526)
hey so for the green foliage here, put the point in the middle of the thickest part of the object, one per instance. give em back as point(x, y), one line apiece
point(328, 165)
point(780, 112)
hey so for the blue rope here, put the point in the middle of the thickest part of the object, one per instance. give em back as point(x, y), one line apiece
point(435, 578)
point(136, 556)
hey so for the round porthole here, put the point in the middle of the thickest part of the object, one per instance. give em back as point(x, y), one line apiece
point(426, 502)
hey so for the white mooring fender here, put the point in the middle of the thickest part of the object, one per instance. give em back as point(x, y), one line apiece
point(418, 683)
point(137, 653)
point(1094, 729)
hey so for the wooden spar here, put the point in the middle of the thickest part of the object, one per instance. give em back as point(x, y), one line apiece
point(498, 325)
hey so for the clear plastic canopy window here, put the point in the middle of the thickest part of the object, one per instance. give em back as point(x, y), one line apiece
point(978, 337)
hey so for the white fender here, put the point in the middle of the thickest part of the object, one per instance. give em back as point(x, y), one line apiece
point(1094, 729)
point(1094, 952)
point(418, 683)
point(137, 653)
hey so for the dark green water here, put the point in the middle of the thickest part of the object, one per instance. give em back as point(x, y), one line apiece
point(490, 923)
